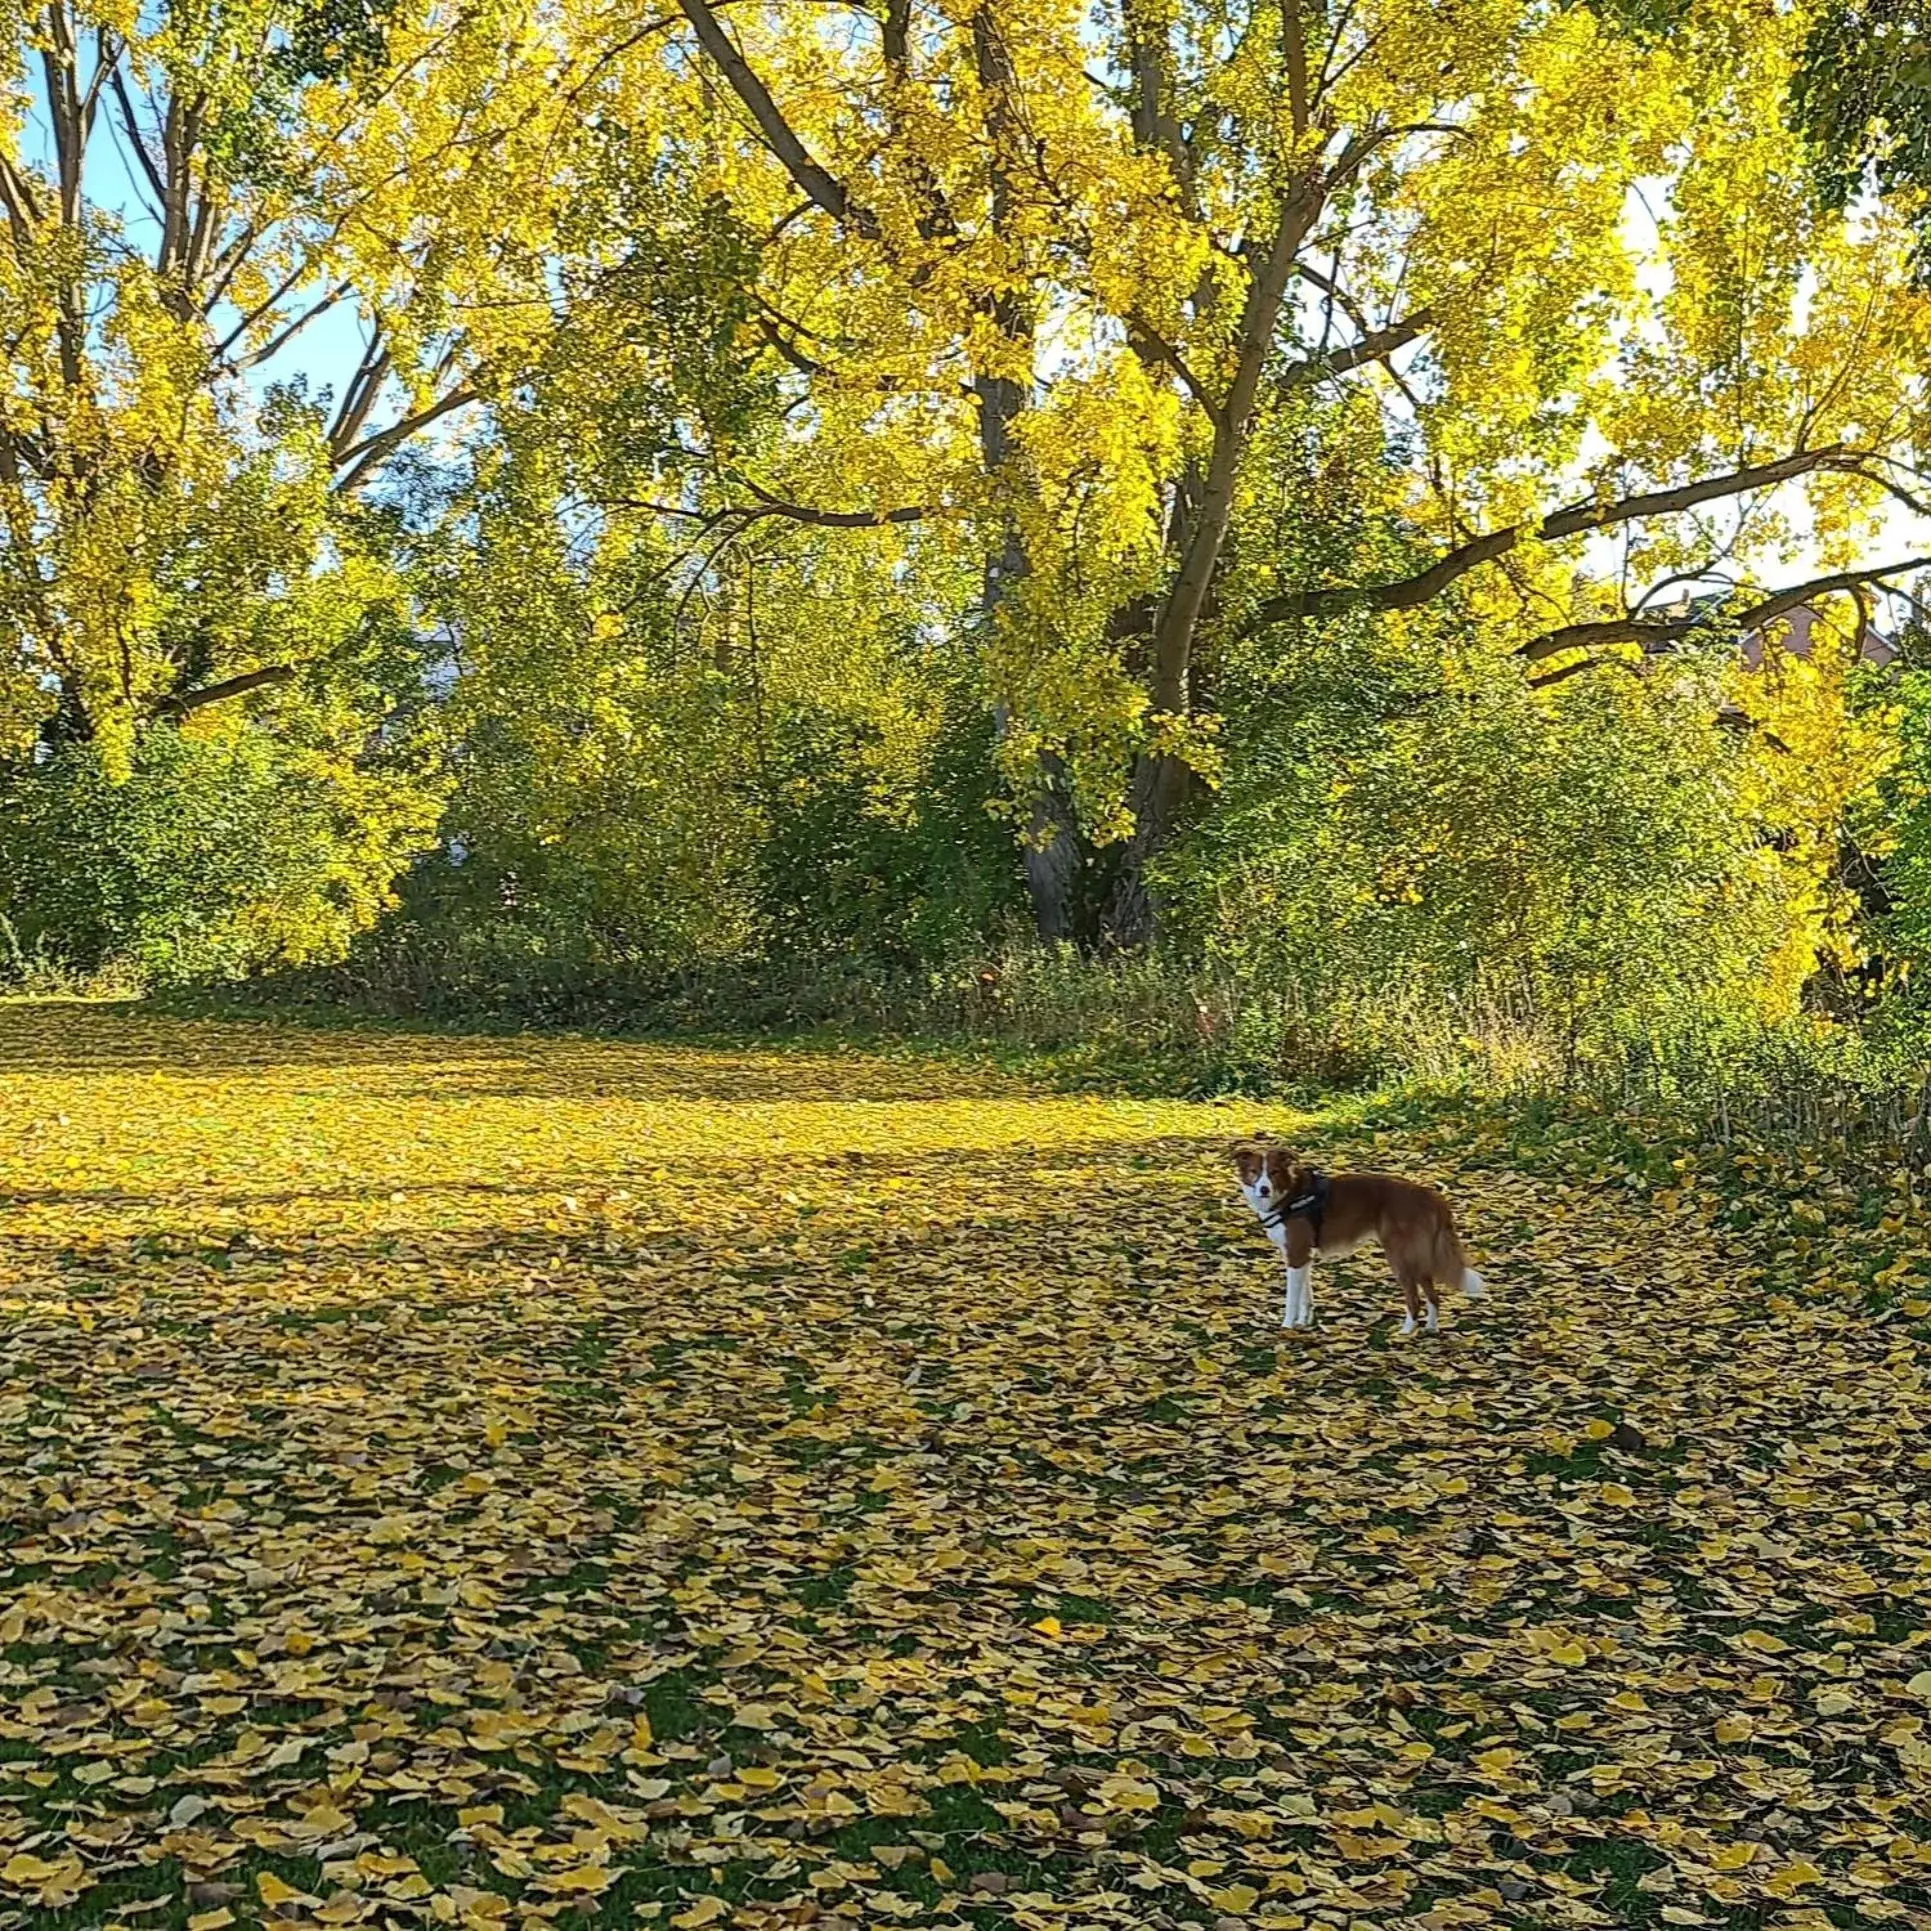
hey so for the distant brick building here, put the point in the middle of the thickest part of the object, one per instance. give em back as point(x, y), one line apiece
point(1792, 632)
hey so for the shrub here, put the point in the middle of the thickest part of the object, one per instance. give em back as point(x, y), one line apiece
point(215, 855)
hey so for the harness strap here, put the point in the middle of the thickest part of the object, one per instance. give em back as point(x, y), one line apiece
point(1310, 1206)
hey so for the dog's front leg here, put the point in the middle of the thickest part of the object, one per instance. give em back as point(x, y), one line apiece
point(1298, 1312)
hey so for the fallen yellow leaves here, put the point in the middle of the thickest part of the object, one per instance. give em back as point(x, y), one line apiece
point(882, 1496)
point(707, 1910)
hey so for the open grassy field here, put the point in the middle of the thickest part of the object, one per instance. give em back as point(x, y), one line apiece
point(481, 1481)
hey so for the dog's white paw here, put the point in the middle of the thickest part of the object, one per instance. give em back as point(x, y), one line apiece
point(1407, 1325)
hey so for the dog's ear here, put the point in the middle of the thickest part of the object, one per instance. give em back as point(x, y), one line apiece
point(1247, 1157)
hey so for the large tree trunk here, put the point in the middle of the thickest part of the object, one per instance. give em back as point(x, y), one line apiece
point(1159, 796)
point(1050, 851)
point(1052, 859)
point(68, 722)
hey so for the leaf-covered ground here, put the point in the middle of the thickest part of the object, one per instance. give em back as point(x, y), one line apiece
point(477, 1482)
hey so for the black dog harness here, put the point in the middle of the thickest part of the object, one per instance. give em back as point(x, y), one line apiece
point(1308, 1205)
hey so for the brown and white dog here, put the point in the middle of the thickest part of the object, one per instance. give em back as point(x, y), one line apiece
point(1307, 1212)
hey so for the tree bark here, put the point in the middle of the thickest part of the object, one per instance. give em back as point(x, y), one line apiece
point(1161, 781)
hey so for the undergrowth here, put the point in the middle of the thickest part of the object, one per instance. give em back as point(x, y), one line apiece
point(1151, 1025)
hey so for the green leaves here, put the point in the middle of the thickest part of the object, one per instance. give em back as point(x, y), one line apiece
point(211, 857)
point(1861, 95)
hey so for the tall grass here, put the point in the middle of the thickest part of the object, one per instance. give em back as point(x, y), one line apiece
point(1159, 1024)
point(1812, 1081)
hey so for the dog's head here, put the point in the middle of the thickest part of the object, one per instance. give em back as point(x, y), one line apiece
point(1268, 1174)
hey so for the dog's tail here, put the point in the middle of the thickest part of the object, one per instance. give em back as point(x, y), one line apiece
point(1451, 1264)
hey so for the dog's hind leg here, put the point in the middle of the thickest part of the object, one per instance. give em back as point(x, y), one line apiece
point(1411, 1296)
point(1433, 1295)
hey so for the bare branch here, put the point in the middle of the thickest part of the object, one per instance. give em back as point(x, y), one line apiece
point(1653, 633)
point(1848, 581)
point(775, 338)
point(1686, 496)
point(282, 337)
point(106, 60)
point(1548, 679)
point(373, 451)
point(136, 139)
point(1168, 353)
point(352, 412)
point(772, 506)
point(842, 519)
point(1374, 346)
point(1363, 147)
point(1916, 504)
point(184, 702)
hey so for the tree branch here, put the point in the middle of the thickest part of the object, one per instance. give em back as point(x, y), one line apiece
point(22, 205)
point(1686, 496)
point(1653, 633)
point(1166, 352)
point(769, 505)
point(375, 450)
point(283, 336)
point(1847, 581)
point(1370, 141)
point(841, 519)
point(359, 397)
point(1656, 634)
point(1549, 679)
point(130, 122)
point(1407, 593)
point(1294, 58)
point(895, 40)
point(183, 702)
point(823, 187)
point(774, 338)
point(1373, 346)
